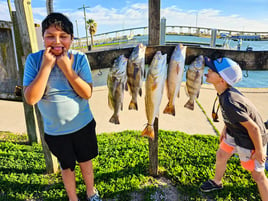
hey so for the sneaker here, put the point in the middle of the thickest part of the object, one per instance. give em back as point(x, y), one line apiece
point(94, 197)
point(210, 185)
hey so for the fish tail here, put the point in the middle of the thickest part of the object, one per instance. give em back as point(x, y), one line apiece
point(133, 105)
point(189, 104)
point(114, 119)
point(148, 132)
point(169, 109)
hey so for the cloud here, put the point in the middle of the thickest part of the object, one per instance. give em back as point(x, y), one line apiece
point(4, 13)
point(136, 15)
point(212, 18)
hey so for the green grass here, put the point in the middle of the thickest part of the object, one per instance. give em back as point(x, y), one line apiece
point(122, 168)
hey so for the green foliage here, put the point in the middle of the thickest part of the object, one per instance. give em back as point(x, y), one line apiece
point(121, 169)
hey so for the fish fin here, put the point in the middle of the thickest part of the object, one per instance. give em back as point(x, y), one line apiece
point(133, 105)
point(170, 109)
point(148, 132)
point(140, 92)
point(110, 103)
point(186, 90)
point(178, 95)
point(189, 105)
point(136, 70)
point(114, 119)
point(197, 95)
point(178, 69)
point(197, 75)
point(126, 86)
point(144, 74)
point(115, 85)
point(154, 86)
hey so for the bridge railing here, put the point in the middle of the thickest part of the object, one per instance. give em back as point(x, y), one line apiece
point(123, 35)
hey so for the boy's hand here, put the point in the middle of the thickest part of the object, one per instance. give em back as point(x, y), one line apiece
point(64, 62)
point(223, 134)
point(260, 156)
point(49, 59)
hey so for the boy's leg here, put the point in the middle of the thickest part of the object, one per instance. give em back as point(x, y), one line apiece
point(226, 150)
point(68, 178)
point(262, 183)
point(221, 161)
point(88, 175)
point(216, 183)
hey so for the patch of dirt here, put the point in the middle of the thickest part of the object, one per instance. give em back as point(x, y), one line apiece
point(165, 191)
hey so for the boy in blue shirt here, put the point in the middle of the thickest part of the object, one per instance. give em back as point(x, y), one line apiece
point(59, 81)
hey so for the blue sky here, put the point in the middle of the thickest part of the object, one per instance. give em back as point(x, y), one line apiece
point(111, 15)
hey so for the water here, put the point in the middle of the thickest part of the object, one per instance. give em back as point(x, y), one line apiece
point(254, 79)
point(256, 45)
point(251, 79)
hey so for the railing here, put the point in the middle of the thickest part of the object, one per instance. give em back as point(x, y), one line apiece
point(126, 34)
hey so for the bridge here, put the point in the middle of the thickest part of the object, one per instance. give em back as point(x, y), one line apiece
point(173, 29)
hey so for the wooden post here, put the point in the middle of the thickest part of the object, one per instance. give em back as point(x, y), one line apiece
point(154, 39)
point(52, 165)
point(154, 22)
point(153, 151)
point(29, 45)
point(22, 50)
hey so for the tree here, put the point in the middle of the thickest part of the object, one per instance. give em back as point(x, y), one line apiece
point(92, 27)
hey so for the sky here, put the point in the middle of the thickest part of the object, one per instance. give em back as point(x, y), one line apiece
point(112, 15)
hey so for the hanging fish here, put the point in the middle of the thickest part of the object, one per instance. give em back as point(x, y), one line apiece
point(136, 74)
point(116, 82)
point(174, 77)
point(154, 86)
point(194, 80)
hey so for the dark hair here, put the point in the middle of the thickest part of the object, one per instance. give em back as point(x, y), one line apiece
point(58, 20)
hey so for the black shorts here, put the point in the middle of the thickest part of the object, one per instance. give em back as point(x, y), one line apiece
point(80, 146)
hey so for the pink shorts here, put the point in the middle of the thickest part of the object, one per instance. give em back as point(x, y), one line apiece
point(229, 146)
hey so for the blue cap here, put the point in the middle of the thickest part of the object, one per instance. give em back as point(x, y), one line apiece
point(228, 69)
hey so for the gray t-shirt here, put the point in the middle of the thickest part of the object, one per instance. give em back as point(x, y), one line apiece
point(236, 108)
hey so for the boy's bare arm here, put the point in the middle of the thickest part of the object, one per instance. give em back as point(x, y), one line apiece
point(34, 92)
point(255, 136)
point(81, 87)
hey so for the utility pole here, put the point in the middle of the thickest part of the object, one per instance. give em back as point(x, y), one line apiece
point(77, 32)
point(84, 8)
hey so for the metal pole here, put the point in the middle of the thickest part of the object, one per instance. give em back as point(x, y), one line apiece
point(77, 29)
point(196, 18)
point(84, 8)
point(163, 31)
point(213, 38)
point(78, 39)
point(49, 6)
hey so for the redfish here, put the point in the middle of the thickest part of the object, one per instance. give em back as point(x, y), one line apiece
point(154, 86)
point(174, 77)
